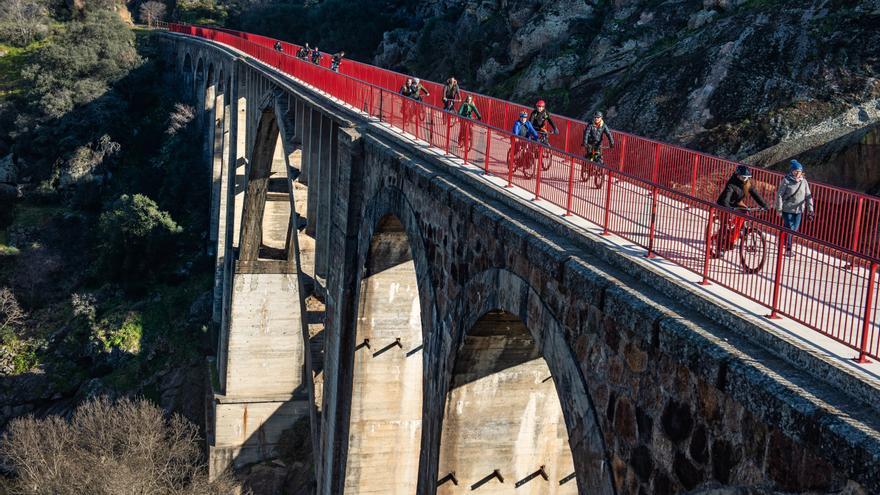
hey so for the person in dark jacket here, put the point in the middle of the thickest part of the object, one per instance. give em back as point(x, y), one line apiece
point(593, 134)
point(316, 56)
point(737, 188)
point(336, 61)
point(469, 111)
point(304, 52)
point(451, 94)
point(541, 121)
point(278, 46)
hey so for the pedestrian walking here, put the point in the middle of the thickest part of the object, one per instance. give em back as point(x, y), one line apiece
point(793, 200)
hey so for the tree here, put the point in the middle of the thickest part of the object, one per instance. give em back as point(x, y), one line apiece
point(107, 447)
point(79, 66)
point(22, 21)
point(136, 237)
point(152, 12)
point(11, 314)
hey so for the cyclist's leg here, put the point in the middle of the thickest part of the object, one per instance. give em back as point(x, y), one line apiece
point(737, 228)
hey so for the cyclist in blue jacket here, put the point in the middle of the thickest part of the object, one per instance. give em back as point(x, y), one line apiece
point(524, 129)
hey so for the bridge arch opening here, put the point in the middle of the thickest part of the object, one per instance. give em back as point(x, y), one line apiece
point(187, 73)
point(503, 425)
point(386, 400)
point(199, 80)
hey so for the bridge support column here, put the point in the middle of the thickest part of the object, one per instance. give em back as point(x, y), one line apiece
point(219, 205)
point(341, 280)
point(314, 170)
point(261, 388)
point(220, 129)
point(324, 201)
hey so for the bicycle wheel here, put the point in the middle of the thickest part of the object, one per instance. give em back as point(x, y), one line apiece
point(752, 250)
point(598, 177)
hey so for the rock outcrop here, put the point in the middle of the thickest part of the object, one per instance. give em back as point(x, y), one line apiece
point(732, 77)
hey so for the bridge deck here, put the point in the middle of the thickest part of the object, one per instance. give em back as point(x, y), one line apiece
point(816, 287)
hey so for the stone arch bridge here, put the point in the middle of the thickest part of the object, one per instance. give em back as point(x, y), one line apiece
point(439, 335)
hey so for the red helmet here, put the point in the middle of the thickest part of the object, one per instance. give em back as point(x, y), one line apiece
point(540, 103)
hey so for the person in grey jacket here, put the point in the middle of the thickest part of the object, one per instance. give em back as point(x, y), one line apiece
point(793, 199)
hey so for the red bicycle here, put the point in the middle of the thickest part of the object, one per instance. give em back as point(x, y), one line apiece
point(752, 243)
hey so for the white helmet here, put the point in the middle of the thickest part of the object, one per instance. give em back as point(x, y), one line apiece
point(417, 80)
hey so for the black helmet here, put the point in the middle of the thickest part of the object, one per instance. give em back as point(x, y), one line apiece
point(597, 115)
point(743, 171)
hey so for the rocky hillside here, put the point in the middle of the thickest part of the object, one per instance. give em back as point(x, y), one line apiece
point(760, 80)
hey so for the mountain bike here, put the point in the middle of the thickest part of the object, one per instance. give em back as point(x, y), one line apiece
point(521, 156)
point(752, 242)
point(544, 138)
point(591, 170)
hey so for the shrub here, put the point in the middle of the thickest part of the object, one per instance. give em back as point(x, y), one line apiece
point(23, 21)
point(136, 236)
point(107, 447)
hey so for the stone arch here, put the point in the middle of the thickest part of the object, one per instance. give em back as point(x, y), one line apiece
point(394, 301)
point(502, 337)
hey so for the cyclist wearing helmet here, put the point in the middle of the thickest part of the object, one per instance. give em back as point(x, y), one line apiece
point(524, 129)
point(304, 52)
point(418, 89)
point(451, 94)
point(316, 56)
point(540, 117)
point(407, 88)
point(594, 131)
point(277, 46)
point(336, 61)
point(737, 188)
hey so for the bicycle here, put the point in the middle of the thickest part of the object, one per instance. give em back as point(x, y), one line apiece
point(752, 242)
point(522, 157)
point(544, 138)
point(594, 156)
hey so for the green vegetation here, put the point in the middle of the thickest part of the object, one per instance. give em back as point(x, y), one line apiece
point(204, 12)
point(101, 255)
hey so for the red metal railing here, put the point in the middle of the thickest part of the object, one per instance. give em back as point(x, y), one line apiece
point(657, 196)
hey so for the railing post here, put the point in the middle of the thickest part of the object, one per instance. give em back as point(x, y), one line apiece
point(650, 253)
point(857, 228)
point(488, 148)
point(622, 153)
point(467, 149)
point(866, 319)
point(708, 247)
point(511, 156)
point(448, 131)
point(777, 278)
point(567, 132)
point(694, 176)
point(607, 202)
point(570, 186)
point(381, 100)
point(538, 172)
point(656, 168)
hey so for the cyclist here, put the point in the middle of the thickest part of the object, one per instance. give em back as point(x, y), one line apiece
point(539, 119)
point(593, 134)
point(407, 88)
point(733, 196)
point(316, 56)
point(277, 46)
point(469, 111)
point(304, 52)
point(523, 128)
point(451, 94)
point(418, 89)
point(336, 61)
